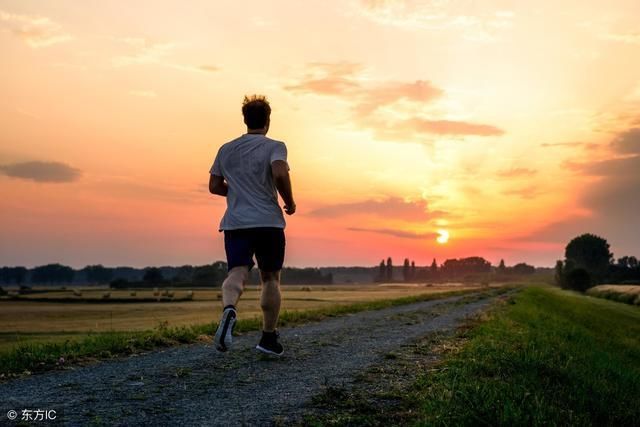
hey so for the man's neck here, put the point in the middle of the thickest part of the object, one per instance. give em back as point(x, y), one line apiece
point(257, 131)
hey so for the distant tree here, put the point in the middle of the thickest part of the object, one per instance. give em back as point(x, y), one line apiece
point(591, 253)
point(433, 270)
point(406, 270)
point(523, 269)
point(465, 266)
point(98, 273)
point(559, 274)
point(13, 275)
point(623, 262)
point(53, 273)
point(502, 269)
point(210, 275)
point(382, 272)
point(578, 279)
point(413, 270)
point(184, 274)
point(152, 275)
point(633, 262)
point(389, 275)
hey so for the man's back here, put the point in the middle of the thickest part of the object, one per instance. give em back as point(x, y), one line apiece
point(245, 164)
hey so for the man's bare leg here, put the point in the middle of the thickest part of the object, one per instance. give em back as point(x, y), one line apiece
point(270, 299)
point(233, 285)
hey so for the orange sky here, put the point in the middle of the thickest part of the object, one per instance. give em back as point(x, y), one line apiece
point(513, 126)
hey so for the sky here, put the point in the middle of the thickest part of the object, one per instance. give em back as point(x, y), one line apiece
point(509, 127)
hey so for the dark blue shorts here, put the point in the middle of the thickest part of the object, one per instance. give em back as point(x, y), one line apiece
point(266, 243)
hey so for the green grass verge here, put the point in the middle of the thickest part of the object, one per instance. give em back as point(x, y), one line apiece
point(552, 358)
point(40, 356)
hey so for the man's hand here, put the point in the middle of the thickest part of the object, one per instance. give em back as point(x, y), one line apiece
point(290, 209)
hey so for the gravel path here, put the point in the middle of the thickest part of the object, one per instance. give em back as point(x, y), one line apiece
point(195, 385)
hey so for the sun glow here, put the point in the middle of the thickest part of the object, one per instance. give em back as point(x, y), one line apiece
point(443, 237)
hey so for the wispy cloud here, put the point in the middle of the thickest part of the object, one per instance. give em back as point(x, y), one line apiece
point(382, 106)
point(388, 208)
point(438, 16)
point(516, 172)
point(38, 171)
point(146, 51)
point(396, 233)
point(628, 38)
point(36, 31)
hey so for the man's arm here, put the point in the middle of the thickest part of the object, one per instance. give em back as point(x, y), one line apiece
point(217, 185)
point(280, 173)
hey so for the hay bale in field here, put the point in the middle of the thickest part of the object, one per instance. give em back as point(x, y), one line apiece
point(165, 293)
point(156, 292)
point(170, 294)
point(133, 293)
point(306, 289)
point(77, 293)
point(219, 296)
point(189, 295)
point(106, 295)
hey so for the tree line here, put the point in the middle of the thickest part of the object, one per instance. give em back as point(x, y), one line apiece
point(122, 277)
point(450, 269)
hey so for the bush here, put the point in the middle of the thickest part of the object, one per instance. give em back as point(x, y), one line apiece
point(578, 279)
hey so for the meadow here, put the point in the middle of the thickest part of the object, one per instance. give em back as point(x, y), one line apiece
point(629, 294)
point(73, 313)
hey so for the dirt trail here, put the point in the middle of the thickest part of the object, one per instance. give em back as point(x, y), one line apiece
point(195, 385)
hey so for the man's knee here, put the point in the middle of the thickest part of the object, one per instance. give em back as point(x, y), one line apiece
point(270, 278)
point(236, 278)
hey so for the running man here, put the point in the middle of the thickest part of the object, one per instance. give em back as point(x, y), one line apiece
point(250, 171)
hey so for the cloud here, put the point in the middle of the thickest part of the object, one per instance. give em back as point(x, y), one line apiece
point(389, 208)
point(628, 38)
point(382, 106)
point(439, 16)
point(569, 144)
point(146, 51)
point(55, 172)
point(529, 192)
point(396, 233)
point(36, 31)
point(612, 199)
point(516, 172)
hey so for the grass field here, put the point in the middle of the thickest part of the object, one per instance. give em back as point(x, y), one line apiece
point(27, 321)
point(544, 357)
point(629, 294)
point(41, 341)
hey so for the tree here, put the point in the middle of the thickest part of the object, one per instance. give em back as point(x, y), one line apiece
point(559, 274)
point(413, 270)
point(53, 273)
point(633, 262)
point(98, 273)
point(382, 272)
point(433, 269)
point(591, 253)
point(502, 269)
point(406, 270)
point(210, 275)
point(389, 275)
point(523, 269)
point(153, 275)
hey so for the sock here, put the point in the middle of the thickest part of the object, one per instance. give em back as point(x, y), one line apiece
point(230, 306)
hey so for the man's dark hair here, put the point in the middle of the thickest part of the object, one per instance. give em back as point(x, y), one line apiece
point(256, 111)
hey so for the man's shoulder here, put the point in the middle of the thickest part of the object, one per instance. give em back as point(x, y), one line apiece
point(274, 141)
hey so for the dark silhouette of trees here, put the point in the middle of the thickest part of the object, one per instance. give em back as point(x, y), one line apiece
point(523, 269)
point(382, 272)
point(52, 273)
point(434, 268)
point(389, 271)
point(578, 279)
point(153, 275)
point(465, 266)
point(413, 270)
point(591, 253)
point(15, 275)
point(210, 275)
point(406, 270)
point(97, 273)
point(502, 269)
point(559, 274)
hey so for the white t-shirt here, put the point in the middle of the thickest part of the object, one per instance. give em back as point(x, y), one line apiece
point(252, 200)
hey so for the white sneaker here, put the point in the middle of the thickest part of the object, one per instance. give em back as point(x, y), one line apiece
point(224, 337)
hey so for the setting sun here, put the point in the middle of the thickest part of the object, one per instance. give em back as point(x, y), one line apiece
point(443, 237)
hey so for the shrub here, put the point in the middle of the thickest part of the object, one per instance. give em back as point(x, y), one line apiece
point(578, 279)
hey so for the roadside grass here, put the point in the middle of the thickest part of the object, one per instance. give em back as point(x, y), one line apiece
point(25, 358)
point(542, 357)
point(628, 294)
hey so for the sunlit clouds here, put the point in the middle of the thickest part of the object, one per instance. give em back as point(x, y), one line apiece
point(419, 129)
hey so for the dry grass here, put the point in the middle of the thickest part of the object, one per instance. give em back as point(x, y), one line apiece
point(629, 294)
point(23, 320)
